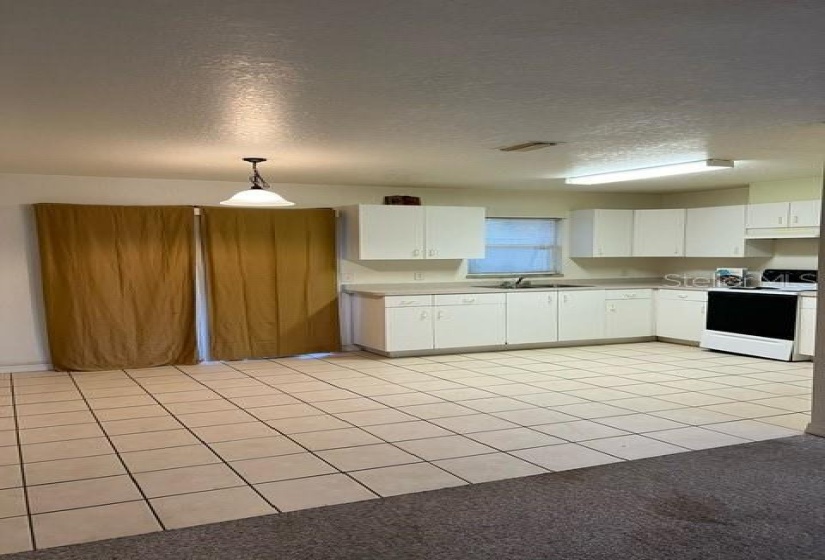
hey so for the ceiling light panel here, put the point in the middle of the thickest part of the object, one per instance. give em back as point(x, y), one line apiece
point(652, 172)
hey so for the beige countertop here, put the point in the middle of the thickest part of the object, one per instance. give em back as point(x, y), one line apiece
point(487, 286)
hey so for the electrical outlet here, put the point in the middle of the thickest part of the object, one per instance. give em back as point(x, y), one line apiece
point(347, 277)
point(418, 275)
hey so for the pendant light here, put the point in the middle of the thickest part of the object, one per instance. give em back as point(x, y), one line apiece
point(259, 194)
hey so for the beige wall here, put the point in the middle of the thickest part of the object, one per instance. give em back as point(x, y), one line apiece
point(806, 188)
point(21, 338)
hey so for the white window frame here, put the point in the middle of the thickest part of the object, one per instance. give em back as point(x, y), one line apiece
point(554, 246)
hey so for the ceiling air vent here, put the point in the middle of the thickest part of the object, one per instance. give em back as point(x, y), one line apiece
point(528, 146)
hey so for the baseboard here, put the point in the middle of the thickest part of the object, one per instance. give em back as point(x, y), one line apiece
point(26, 367)
point(815, 429)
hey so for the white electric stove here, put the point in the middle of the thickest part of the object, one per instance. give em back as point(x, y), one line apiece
point(759, 320)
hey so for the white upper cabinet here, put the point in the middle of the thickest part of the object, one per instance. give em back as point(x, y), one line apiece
point(719, 231)
point(770, 215)
point(387, 232)
point(601, 233)
point(659, 233)
point(784, 219)
point(805, 213)
point(454, 232)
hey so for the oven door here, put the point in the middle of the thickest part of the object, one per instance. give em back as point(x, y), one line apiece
point(752, 324)
point(764, 315)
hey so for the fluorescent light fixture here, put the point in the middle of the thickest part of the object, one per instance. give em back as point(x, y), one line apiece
point(651, 172)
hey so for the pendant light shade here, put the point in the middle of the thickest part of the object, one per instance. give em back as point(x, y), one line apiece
point(258, 195)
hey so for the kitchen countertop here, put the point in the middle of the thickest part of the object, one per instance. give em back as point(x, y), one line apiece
point(487, 286)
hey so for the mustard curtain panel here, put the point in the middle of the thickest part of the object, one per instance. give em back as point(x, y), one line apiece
point(118, 285)
point(271, 278)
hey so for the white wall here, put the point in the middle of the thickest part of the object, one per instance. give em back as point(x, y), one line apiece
point(21, 330)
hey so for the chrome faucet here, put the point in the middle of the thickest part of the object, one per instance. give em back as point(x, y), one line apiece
point(518, 282)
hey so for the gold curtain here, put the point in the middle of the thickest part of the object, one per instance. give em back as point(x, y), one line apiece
point(118, 285)
point(271, 282)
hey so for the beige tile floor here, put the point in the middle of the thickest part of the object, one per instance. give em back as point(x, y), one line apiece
point(88, 456)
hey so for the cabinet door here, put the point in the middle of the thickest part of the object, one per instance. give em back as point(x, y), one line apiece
point(770, 215)
point(391, 232)
point(454, 232)
point(805, 213)
point(682, 320)
point(628, 318)
point(409, 328)
point(532, 317)
point(715, 232)
point(459, 326)
point(581, 314)
point(601, 233)
point(659, 233)
point(613, 235)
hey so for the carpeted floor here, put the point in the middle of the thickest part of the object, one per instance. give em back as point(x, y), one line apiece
point(757, 501)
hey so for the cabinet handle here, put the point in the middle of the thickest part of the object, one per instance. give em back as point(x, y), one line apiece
point(565, 298)
point(431, 253)
point(416, 252)
point(781, 220)
point(468, 300)
point(703, 310)
point(406, 302)
point(425, 315)
point(629, 296)
point(440, 315)
point(796, 219)
point(683, 296)
point(549, 299)
point(612, 308)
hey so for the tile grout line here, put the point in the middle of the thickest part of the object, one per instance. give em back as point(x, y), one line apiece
point(120, 459)
point(345, 473)
point(25, 486)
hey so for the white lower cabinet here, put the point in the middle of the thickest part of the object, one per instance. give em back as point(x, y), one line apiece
point(532, 317)
point(422, 323)
point(681, 314)
point(581, 314)
point(807, 326)
point(409, 328)
point(465, 320)
point(628, 313)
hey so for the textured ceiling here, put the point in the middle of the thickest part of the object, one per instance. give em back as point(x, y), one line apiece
point(412, 93)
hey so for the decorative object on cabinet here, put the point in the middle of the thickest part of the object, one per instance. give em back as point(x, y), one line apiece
point(257, 195)
point(651, 172)
point(402, 200)
point(730, 277)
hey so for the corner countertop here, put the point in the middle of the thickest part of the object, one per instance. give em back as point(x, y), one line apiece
point(487, 286)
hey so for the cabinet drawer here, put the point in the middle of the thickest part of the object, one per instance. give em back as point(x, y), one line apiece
point(629, 294)
point(408, 301)
point(684, 295)
point(468, 299)
point(808, 302)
